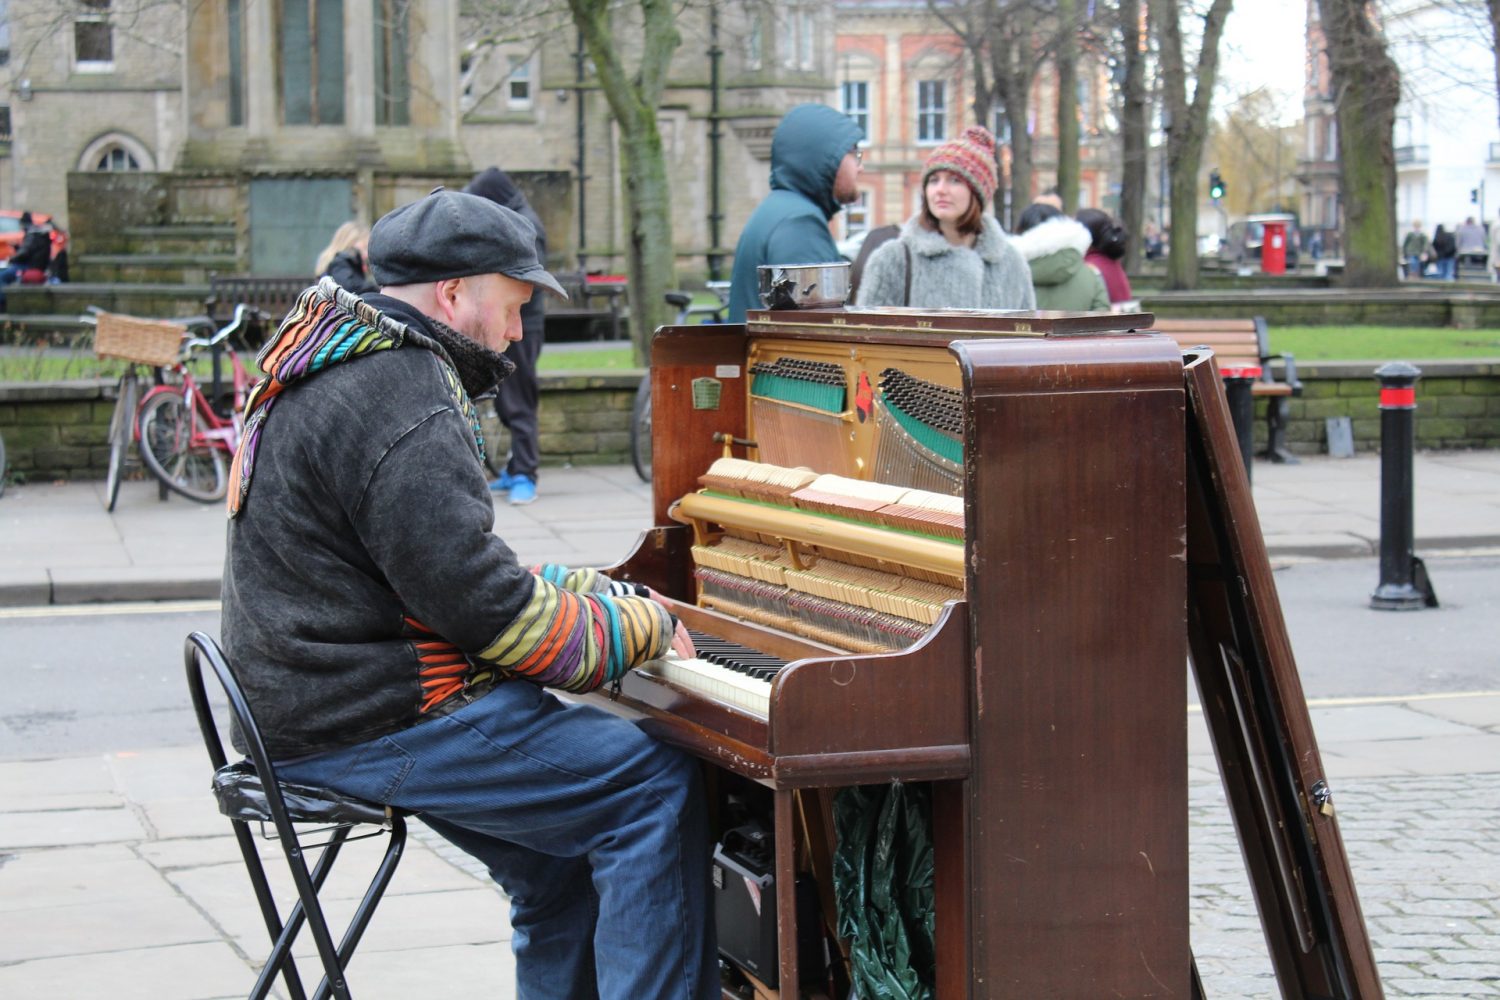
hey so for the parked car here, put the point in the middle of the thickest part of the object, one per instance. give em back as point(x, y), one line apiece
point(1242, 246)
point(11, 232)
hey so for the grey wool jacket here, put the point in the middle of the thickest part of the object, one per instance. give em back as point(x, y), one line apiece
point(992, 275)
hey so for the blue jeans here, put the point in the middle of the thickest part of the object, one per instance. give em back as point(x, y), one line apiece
point(1446, 268)
point(1414, 267)
point(595, 831)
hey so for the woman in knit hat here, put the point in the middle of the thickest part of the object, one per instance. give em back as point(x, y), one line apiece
point(952, 254)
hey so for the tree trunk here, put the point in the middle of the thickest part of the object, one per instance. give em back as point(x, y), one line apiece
point(1014, 67)
point(1133, 130)
point(1367, 86)
point(1187, 128)
point(1067, 103)
point(1494, 6)
point(650, 255)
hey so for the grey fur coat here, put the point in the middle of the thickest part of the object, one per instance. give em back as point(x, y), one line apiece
point(992, 275)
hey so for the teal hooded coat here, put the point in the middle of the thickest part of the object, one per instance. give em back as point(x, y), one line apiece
point(791, 225)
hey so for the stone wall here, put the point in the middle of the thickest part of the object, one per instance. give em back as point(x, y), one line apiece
point(1458, 405)
point(58, 430)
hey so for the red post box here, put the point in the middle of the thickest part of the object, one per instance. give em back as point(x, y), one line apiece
point(1275, 231)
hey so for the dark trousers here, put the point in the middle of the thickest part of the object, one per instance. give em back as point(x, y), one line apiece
point(516, 404)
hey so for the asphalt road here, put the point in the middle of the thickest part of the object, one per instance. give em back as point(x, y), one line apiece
point(97, 678)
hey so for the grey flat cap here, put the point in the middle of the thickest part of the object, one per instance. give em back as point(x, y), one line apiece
point(449, 234)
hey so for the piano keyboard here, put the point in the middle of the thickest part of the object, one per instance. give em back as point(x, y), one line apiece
point(725, 671)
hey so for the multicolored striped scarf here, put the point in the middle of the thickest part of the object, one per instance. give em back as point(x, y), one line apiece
point(328, 326)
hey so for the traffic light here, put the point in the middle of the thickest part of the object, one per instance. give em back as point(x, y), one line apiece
point(1215, 185)
point(1474, 195)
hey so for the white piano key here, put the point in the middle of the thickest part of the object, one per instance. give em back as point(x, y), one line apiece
point(714, 681)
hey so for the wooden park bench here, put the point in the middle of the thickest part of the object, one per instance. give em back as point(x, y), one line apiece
point(593, 311)
point(1242, 349)
point(271, 295)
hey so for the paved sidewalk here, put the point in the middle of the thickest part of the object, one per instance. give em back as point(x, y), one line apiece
point(119, 879)
point(59, 546)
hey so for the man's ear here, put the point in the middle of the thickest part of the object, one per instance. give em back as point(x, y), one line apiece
point(447, 293)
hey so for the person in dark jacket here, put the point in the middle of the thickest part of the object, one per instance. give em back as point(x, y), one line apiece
point(1106, 251)
point(1445, 254)
point(815, 164)
point(343, 259)
point(517, 401)
point(392, 647)
point(34, 253)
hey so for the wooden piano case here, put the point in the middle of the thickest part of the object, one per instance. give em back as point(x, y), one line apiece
point(1048, 707)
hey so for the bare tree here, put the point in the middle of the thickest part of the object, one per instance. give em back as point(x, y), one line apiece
point(633, 93)
point(1187, 126)
point(1133, 130)
point(1367, 88)
point(1066, 59)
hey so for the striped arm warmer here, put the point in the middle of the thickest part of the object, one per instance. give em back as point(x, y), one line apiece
point(577, 635)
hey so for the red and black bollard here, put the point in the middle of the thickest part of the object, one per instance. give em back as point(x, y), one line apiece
point(1404, 585)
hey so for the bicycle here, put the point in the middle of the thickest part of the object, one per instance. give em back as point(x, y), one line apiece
point(140, 343)
point(640, 409)
point(186, 441)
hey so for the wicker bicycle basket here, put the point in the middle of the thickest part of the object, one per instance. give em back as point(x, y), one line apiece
point(144, 341)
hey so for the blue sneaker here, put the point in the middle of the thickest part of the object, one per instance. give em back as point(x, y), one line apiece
point(522, 490)
point(503, 483)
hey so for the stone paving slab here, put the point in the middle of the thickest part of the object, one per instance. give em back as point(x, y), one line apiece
point(203, 971)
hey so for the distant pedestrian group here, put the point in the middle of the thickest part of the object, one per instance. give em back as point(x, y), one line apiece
point(1441, 256)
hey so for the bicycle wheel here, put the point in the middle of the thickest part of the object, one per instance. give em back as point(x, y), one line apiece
point(640, 430)
point(198, 472)
point(121, 430)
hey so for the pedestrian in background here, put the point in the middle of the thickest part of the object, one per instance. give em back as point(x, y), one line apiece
point(1107, 245)
point(518, 398)
point(815, 164)
point(1473, 249)
point(343, 259)
point(952, 254)
point(1445, 253)
point(1416, 249)
point(1053, 245)
point(1494, 257)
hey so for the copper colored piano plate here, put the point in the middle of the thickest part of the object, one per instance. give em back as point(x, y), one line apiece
point(951, 323)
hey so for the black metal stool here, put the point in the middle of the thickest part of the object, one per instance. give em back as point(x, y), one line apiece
point(245, 796)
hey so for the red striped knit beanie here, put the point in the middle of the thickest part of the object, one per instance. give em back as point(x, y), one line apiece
point(971, 156)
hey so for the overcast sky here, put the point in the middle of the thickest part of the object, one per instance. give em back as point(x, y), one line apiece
point(1263, 45)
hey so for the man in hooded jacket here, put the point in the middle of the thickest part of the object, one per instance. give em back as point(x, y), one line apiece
point(517, 400)
point(815, 164)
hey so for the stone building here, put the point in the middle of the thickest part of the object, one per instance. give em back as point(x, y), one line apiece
point(907, 78)
point(80, 91)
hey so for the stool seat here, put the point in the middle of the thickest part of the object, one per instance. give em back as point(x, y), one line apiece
point(248, 791)
point(242, 796)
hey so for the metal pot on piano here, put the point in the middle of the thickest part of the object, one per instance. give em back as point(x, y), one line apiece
point(949, 547)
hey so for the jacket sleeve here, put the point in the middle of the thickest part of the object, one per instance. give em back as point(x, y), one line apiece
point(884, 280)
point(1100, 301)
point(425, 518)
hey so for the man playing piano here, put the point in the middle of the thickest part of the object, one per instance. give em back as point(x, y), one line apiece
point(394, 649)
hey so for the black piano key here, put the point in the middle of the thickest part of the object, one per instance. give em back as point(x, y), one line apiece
point(734, 656)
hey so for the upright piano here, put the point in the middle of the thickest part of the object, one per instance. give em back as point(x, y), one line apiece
point(973, 549)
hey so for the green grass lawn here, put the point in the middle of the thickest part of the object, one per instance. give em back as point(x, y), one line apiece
point(1383, 343)
point(1306, 343)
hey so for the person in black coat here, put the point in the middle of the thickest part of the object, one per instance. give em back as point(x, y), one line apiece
point(1445, 254)
point(343, 259)
point(517, 400)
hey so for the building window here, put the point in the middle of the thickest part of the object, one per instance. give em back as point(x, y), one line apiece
point(518, 84)
point(999, 124)
point(392, 80)
point(116, 159)
point(857, 215)
point(932, 114)
point(93, 38)
point(310, 50)
point(754, 43)
point(854, 101)
point(236, 26)
point(806, 38)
